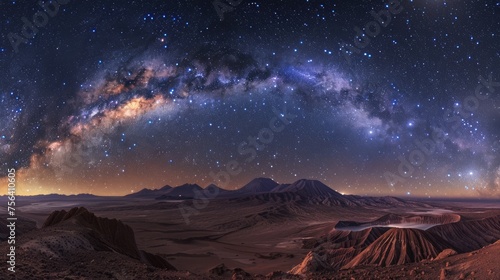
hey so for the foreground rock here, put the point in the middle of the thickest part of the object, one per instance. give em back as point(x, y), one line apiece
point(104, 234)
point(382, 247)
point(400, 246)
point(445, 253)
point(479, 264)
point(223, 271)
point(23, 226)
point(311, 263)
point(76, 244)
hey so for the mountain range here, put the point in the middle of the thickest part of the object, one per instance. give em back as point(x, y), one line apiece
point(301, 230)
point(303, 190)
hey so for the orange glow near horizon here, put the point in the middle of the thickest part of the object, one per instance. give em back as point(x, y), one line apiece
point(123, 185)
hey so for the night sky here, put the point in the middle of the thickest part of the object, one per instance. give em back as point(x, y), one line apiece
point(109, 97)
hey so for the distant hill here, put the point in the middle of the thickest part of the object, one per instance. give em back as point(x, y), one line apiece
point(309, 188)
point(212, 188)
point(54, 196)
point(258, 185)
point(186, 191)
point(149, 193)
point(280, 187)
point(303, 190)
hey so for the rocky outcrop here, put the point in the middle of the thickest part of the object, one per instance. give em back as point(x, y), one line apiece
point(400, 246)
point(468, 236)
point(336, 249)
point(311, 263)
point(155, 260)
point(109, 234)
point(383, 246)
point(102, 234)
point(357, 239)
point(445, 253)
point(222, 270)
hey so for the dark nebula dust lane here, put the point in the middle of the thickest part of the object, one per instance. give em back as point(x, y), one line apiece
point(110, 98)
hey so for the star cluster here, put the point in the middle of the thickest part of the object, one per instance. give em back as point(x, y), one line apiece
point(112, 97)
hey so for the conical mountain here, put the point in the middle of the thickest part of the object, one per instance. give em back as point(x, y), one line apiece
point(310, 188)
point(258, 185)
point(182, 192)
point(400, 246)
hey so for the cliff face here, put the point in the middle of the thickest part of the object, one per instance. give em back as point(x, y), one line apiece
point(336, 249)
point(403, 219)
point(102, 234)
point(472, 235)
point(395, 246)
point(400, 246)
point(112, 234)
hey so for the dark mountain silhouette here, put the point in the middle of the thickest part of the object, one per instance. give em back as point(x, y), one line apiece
point(310, 192)
point(303, 191)
point(165, 188)
point(280, 187)
point(150, 193)
point(112, 233)
point(265, 189)
point(102, 234)
point(212, 189)
point(310, 188)
point(258, 185)
point(186, 191)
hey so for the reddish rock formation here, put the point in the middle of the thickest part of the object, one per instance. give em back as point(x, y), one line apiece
point(400, 246)
point(103, 234)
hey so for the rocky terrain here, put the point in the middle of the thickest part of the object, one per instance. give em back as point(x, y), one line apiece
point(384, 246)
point(302, 230)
